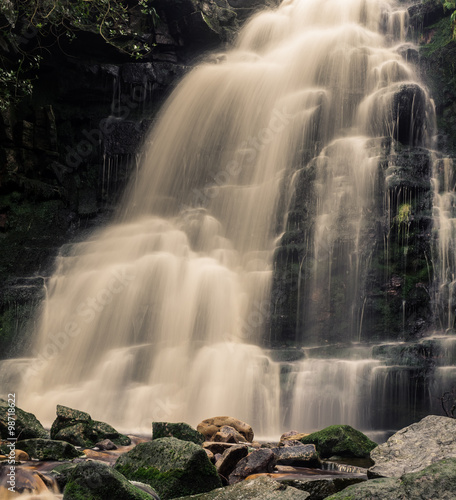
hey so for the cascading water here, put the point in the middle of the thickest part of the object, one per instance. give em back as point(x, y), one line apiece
point(163, 315)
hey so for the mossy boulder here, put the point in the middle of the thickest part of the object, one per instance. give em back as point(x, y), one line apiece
point(172, 467)
point(97, 481)
point(78, 428)
point(181, 431)
point(62, 472)
point(437, 481)
point(48, 449)
point(259, 488)
point(27, 426)
point(378, 489)
point(341, 440)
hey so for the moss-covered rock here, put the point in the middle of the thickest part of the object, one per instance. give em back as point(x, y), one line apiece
point(320, 488)
point(438, 481)
point(62, 473)
point(97, 481)
point(260, 488)
point(341, 440)
point(27, 426)
point(78, 428)
point(48, 449)
point(172, 467)
point(180, 430)
point(378, 489)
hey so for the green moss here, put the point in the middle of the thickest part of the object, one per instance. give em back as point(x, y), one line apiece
point(171, 466)
point(151, 475)
point(48, 449)
point(340, 440)
point(78, 428)
point(74, 491)
point(98, 481)
point(404, 213)
point(179, 430)
point(27, 425)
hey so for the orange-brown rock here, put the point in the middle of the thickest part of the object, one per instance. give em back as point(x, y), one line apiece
point(211, 426)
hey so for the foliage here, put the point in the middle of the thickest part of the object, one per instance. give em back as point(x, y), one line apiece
point(29, 27)
point(451, 5)
point(403, 214)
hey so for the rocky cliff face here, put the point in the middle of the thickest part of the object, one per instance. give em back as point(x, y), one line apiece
point(398, 298)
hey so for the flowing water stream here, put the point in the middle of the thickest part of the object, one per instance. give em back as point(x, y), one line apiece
point(162, 315)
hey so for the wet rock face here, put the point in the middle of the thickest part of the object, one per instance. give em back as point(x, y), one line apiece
point(409, 114)
point(398, 111)
point(424, 14)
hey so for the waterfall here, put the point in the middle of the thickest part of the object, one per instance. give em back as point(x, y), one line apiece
point(164, 314)
point(445, 228)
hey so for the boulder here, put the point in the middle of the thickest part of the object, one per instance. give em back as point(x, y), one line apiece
point(106, 444)
point(256, 462)
point(228, 434)
point(415, 447)
point(226, 464)
point(320, 488)
point(261, 488)
point(27, 426)
point(181, 431)
point(78, 428)
point(98, 481)
point(291, 436)
point(48, 449)
point(340, 440)
point(22, 456)
point(303, 455)
point(211, 426)
point(290, 442)
point(378, 489)
point(437, 481)
point(217, 448)
point(62, 473)
point(171, 466)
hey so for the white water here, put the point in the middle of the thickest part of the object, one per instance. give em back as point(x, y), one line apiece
point(161, 315)
point(444, 186)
